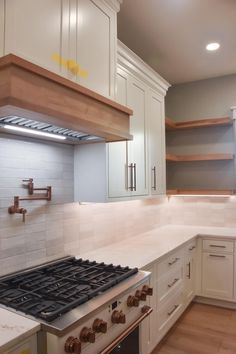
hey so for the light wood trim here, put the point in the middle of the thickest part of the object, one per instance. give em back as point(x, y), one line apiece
point(33, 92)
point(201, 123)
point(199, 157)
point(170, 124)
point(200, 192)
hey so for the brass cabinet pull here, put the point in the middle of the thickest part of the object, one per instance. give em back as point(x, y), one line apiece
point(217, 255)
point(173, 283)
point(154, 187)
point(173, 262)
point(173, 310)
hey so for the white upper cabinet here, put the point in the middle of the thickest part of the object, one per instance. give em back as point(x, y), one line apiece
point(2, 27)
point(156, 140)
point(74, 38)
point(33, 31)
point(137, 168)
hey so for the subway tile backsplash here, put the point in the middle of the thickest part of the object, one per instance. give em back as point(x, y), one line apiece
point(62, 227)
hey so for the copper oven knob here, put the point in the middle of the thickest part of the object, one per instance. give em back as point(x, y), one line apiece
point(118, 317)
point(99, 326)
point(141, 295)
point(87, 335)
point(132, 301)
point(72, 345)
point(147, 290)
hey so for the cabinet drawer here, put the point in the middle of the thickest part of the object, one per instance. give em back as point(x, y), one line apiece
point(170, 263)
point(169, 313)
point(218, 246)
point(168, 285)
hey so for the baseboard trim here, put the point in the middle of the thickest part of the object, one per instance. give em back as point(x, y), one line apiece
point(215, 302)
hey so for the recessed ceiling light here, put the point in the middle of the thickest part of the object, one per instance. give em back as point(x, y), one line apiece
point(213, 46)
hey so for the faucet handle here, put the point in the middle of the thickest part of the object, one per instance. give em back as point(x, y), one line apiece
point(30, 185)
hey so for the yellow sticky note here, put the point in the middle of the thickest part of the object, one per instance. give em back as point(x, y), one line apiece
point(27, 351)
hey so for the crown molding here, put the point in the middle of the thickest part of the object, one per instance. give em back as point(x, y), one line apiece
point(114, 4)
point(127, 59)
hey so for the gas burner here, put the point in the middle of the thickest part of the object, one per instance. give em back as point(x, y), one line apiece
point(56, 288)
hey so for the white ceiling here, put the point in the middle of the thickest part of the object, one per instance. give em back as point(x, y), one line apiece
point(171, 35)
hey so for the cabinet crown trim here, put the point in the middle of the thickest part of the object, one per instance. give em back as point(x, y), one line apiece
point(134, 64)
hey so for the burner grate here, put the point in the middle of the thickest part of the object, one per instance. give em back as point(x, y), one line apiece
point(57, 288)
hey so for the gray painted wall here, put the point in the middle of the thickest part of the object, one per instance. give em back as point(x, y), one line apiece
point(202, 99)
point(210, 98)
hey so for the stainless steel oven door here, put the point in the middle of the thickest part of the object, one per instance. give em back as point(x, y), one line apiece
point(128, 341)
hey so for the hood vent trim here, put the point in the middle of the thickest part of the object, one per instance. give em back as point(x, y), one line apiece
point(34, 93)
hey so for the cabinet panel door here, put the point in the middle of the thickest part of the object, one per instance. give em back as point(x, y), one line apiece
point(117, 152)
point(156, 136)
point(137, 101)
point(2, 18)
point(217, 275)
point(33, 31)
point(95, 26)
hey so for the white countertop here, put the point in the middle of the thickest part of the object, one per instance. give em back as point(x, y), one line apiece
point(145, 248)
point(15, 328)
point(138, 251)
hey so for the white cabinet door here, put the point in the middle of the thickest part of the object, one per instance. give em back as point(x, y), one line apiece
point(28, 346)
point(33, 31)
point(96, 46)
point(137, 152)
point(189, 273)
point(156, 143)
point(127, 162)
point(2, 19)
point(118, 152)
point(217, 275)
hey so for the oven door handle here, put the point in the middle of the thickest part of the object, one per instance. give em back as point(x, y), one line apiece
point(146, 311)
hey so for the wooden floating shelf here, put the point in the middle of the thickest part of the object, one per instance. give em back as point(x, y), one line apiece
point(202, 123)
point(206, 157)
point(219, 192)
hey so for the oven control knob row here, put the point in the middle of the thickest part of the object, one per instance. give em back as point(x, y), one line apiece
point(132, 301)
point(147, 290)
point(141, 295)
point(72, 345)
point(99, 326)
point(118, 317)
point(87, 335)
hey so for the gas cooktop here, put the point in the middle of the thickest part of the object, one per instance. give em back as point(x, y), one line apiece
point(51, 290)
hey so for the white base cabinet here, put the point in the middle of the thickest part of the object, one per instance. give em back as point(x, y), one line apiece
point(218, 269)
point(28, 346)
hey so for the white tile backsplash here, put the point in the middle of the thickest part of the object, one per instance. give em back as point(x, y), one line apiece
point(61, 227)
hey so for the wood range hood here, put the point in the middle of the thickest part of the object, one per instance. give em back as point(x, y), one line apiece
point(34, 93)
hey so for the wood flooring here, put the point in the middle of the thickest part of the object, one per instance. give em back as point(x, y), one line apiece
point(202, 329)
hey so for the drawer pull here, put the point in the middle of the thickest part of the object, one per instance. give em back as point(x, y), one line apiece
point(218, 246)
point(192, 248)
point(173, 283)
point(189, 270)
point(173, 310)
point(174, 261)
point(217, 255)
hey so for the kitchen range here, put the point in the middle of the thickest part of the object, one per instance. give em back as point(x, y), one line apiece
point(83, 307)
